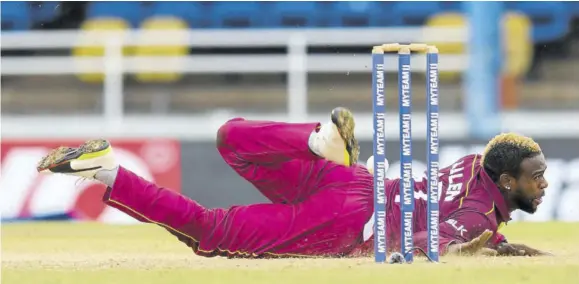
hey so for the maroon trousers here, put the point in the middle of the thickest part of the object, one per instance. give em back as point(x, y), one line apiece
point(319, 208)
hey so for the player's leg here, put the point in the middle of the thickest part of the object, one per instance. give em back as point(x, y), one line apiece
point(272, 155)
point(132, 194)
point(329, 223)
point(324, 225)
point(315, 227)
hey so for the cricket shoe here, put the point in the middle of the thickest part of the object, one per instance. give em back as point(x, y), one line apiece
point(84, 161)
point(335, 139)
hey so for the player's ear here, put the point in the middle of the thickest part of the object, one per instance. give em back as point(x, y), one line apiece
point(506, 182)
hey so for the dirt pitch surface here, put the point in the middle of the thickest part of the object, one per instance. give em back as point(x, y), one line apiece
point(93, 253)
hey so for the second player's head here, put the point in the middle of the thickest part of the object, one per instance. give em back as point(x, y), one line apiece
point(517, 165)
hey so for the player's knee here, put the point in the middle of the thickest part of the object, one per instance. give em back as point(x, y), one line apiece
point(225, 130)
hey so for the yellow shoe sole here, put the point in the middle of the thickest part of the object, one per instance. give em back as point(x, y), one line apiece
point(58, 160)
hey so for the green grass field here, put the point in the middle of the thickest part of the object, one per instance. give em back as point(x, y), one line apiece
point(94, 253)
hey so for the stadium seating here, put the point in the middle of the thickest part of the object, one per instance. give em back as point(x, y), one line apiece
point(132, 12)
point(573, 6)
point(15, 15)
point(240, 14)
point(45, 11)
point(550, 18)
point(451, 6)
point(294, 14)
point(517, 42)
point(413, 13)
point(448, 20)
point(82, 51)
point(171, 53)
point(360, 14)
point(193, 13)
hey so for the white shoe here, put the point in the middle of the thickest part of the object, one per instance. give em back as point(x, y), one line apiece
point(335, 139)
point(84, 161)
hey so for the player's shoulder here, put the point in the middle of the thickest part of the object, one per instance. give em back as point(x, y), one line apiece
point(473, 158)
point(470, 162)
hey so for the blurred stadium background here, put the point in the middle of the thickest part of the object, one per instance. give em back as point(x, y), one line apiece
point(158, 78)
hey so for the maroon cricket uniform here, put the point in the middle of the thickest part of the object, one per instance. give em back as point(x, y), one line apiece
point(319, 208)
point(470, 203)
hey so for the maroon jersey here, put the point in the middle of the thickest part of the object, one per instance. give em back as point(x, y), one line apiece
point(470, 203)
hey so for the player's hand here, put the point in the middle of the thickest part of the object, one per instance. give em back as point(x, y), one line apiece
point(507, 249)
point(477, 246)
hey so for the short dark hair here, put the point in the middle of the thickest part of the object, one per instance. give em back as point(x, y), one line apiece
point(505, 153)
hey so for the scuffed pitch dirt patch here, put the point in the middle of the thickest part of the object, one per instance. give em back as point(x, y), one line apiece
point(161, 260)
point(152, 260)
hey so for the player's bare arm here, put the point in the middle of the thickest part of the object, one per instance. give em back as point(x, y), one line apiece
point(476, 246)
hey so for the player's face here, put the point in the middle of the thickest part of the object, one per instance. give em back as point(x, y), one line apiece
point(531, 184)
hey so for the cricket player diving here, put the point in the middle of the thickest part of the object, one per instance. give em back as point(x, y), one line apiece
point(321, 198)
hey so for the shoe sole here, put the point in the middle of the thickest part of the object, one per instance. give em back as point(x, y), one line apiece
point(58, 160)
point(344, 121)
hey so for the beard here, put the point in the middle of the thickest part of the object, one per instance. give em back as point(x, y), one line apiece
point(524, 203)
